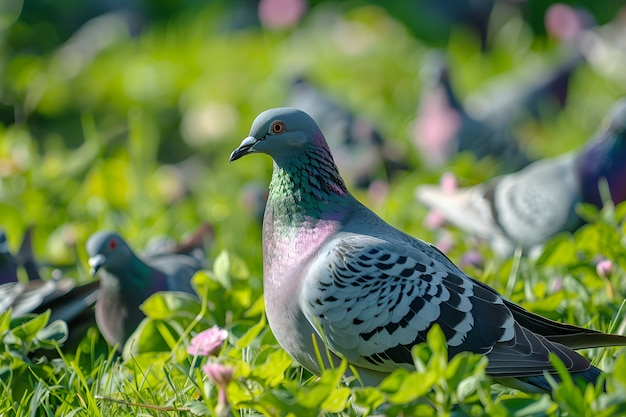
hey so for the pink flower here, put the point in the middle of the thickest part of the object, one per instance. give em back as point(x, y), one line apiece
point(448, 182)
point(208, 342)
point(472, 257)
point(279, 14)
point(605, 268)
point(220, 376)
point(434, 219)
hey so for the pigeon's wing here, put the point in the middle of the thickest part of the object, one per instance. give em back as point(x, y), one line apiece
point(534, 204)
point(373, 300)
point(178, 269)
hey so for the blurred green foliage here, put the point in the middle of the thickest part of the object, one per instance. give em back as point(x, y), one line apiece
point(106, 126)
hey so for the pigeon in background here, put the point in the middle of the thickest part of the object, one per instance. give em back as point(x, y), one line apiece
point(360, 150)
point(536, 94)
point(8, 267)
point(528, 207)
point(126, 281)
point(24, 258)
point(66, 300)
point(443, 128)
point(336, 275)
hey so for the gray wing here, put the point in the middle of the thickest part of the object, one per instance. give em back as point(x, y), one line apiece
point(179, 269)
point(538, 202)
point(374, 300)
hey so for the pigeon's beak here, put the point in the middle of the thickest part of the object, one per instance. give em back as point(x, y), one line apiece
point(246, 147)
point(95, 263)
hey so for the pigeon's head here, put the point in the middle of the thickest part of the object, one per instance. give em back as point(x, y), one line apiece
point(107, 250)
point(280, 133)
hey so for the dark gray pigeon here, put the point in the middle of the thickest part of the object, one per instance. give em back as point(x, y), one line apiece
point(126, 281)
point(528, 207)
point(336, 275)
point(443, 128)
point(359, 148)
point(8, 267)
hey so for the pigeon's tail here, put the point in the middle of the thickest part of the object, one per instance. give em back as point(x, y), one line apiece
point(540, 383)
point(467, 208)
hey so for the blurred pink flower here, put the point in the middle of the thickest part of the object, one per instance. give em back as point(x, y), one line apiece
point(445, 243)
point(448, 182)
point(605, 268)
point(434, 220)
point(280, 14)
point(220, 375)
point(208, 342)
point(472, 257)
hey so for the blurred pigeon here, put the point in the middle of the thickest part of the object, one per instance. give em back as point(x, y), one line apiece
point(8, 267)
point(528, 207)
point(514, 99)
point(359, 148)
point(443, 128)
point(127, 280)
point(336, 274)
point(24, 257)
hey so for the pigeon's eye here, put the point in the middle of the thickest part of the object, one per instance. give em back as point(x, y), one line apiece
point(112, 244)
point(277, 127)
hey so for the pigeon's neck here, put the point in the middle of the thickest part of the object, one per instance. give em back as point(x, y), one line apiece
point(604, 159)
point(136, 278)
point(307, 189)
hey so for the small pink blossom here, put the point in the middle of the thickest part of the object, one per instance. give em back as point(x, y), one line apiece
point(220, 375)
point(605, 268)
point(434, 219)
point(445, 243)
point(448, 182)
point(472, 257)
point(280, 14)
point(208, 342)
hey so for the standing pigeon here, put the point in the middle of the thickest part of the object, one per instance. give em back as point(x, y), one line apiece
point(8, 268)
point(126, 281)
point(443, 128)
point(336, 271)
point(359, 148)
point(528, 207)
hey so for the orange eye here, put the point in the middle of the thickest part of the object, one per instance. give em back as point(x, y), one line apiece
point(277, 127)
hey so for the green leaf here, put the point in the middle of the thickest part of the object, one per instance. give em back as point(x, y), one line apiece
point(30, 325)
point(167, 304)
point(403, 386)
point(464, 365)
point(53, 334)
point(558, 251)
point(228, 267)
point(198, 408)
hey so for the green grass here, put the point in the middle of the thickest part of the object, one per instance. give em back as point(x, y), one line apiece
point(95, 149)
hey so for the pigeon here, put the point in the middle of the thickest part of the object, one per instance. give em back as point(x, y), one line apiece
point(538, 94)
point(337, 274)
point(126, 281)
point(359, 148)
point(526, 208)
point(443, 128)
point(8, 267)
point(64, 297)
point(24, 257)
